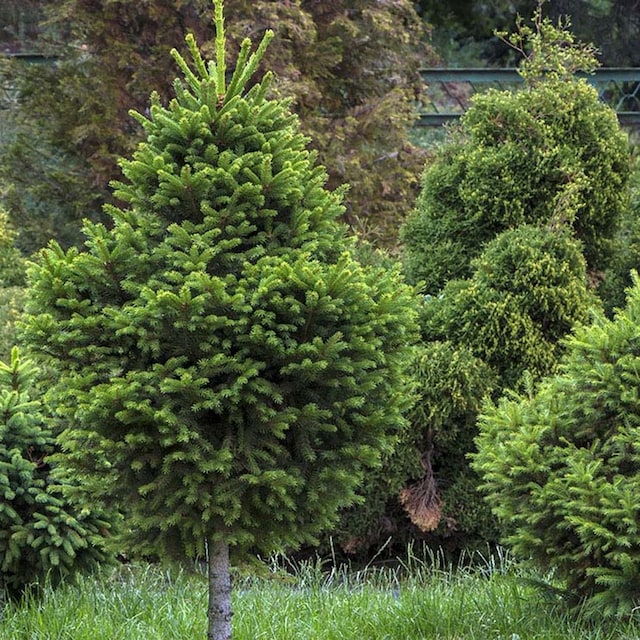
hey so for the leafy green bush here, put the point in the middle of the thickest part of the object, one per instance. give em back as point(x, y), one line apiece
point(551, 154)
point(422, 484)
point(561, 464)
point(12, 303)
point(45, 532)
point(518, 220)
point(13, 268)
point(617, 277)
point(528, 289)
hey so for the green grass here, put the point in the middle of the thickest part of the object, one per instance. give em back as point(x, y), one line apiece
point(495, 600)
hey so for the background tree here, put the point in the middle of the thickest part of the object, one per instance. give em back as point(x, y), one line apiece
point(230, 363)
point(560, 465)
point(515, 225)
point(351, 67)
point(18, 25)
point(463, 27)
point(13, 270)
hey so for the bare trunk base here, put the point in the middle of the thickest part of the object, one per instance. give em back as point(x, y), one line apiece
point(219, 592)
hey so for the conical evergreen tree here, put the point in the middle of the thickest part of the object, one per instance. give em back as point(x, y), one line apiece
point(561, 467)
point(221, 351)
point(44, 531)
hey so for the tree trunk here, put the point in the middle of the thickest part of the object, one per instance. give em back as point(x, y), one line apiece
point(219, 592)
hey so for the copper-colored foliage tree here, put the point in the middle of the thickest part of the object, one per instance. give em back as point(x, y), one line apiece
point(350, 67)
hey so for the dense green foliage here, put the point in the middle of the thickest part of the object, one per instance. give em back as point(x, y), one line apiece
point(521, 217)
point(227, 363)
point(617, 277)
point(45, 531)
point(517, 222)
point(527, 290)
point(452, 384)
point(12, 264)
point(561, 468)
point(551, 154)
point(12, 286)
point(45, 183)
point(110, 54)
point(463, 26)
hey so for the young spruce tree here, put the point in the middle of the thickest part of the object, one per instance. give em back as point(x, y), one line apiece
point(220, 351)
point(560, 465)
point(45, 530)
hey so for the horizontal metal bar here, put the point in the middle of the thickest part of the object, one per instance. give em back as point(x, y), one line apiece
point(470, 75)
point(437, 119)
point(31, 57)
point(615, 74)
point(510, 74)
point(628, 117)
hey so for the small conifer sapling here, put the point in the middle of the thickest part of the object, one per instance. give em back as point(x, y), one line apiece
point(222, 354)
point(47, 530)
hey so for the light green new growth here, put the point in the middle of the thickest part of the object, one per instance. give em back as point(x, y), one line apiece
point(220, 47)
point(213, 74)
point(549, 51)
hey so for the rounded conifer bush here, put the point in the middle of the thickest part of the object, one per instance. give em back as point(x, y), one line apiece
point(528, 288)
point(561, 464)
point(551, 153)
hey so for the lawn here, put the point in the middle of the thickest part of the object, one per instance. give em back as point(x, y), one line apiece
point(493, 599)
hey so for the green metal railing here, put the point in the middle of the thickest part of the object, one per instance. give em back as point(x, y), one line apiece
point(449, 91)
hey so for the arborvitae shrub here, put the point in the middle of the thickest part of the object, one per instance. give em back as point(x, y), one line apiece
point(516, 223)
point(549, 154)
point(452, 384)
point(528, 289)
point(482, 334)
point(46, 531)
point(561, 464)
